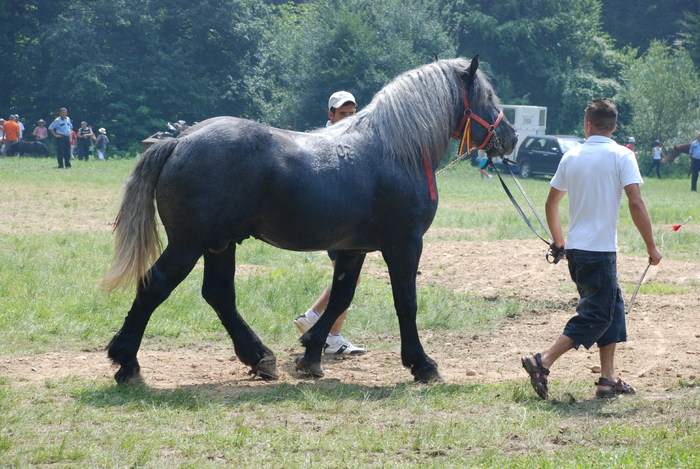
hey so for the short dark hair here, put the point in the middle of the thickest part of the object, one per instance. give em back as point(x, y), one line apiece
point(602, 114)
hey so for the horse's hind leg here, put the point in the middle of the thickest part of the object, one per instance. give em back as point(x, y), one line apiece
point(218, 290)
point(402, 261)
point(170, 269)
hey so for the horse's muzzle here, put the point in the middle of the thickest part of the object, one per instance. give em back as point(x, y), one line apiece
point(499, 146)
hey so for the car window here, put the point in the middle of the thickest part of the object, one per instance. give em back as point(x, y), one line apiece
point(553, 145)
point(531, 144)
point(537, 144)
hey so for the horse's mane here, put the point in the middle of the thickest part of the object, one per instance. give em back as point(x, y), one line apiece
point(412, 112)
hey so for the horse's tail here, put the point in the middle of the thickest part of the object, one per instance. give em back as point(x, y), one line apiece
point(137, 244)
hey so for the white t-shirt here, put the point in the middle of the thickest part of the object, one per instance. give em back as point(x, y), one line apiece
point(594, 175)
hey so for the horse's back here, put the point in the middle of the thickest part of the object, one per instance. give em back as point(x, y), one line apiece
point(231, 178)
point(220, 174)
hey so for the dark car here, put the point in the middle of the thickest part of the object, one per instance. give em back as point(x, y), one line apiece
point(541, 154)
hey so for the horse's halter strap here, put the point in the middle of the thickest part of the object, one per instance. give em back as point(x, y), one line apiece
point(464, 127)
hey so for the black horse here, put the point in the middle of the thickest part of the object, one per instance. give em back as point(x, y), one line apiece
point(32, 148)
point(361, 185)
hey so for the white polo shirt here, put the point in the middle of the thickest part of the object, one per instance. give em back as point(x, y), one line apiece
point(594, 175)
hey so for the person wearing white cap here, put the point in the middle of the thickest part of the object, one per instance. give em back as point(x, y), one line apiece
point(41, 133)
point(21, 126)
point(341, 105)
point(101, 143)
point(630, 144)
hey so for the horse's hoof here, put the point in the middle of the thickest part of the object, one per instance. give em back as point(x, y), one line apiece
point(426, 375)
point(131, 376)
point(312, 368)
point(266, 368)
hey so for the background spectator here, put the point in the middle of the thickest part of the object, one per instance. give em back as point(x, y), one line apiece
point(84, 137)
point(101, 144)
point(41, 133)
point(11, 131)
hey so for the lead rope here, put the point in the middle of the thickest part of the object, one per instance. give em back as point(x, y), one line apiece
point(507, 163)
point(673, 229)
point(554, 254)
point(466, 136)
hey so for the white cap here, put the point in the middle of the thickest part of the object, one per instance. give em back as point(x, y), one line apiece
point(339, 98)
point(631, 140)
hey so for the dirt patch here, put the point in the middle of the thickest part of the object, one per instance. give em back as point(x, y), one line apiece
point(664, 345)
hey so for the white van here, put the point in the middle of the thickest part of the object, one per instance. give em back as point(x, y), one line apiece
point(527, 120)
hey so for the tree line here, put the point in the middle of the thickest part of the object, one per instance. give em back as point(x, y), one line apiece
point(132, 65)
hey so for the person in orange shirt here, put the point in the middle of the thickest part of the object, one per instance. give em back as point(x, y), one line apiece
point(11, 130)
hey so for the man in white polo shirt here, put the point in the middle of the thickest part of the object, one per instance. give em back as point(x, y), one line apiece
point(594, 175)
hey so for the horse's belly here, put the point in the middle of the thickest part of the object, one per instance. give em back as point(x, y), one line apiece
point(315, 236)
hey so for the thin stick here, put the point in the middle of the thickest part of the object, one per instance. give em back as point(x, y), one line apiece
point(661, 248)
point(639, 284)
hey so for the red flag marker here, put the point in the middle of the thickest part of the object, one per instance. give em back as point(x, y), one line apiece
point(661, 248)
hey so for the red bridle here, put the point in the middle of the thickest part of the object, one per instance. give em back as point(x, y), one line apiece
point(464, 127)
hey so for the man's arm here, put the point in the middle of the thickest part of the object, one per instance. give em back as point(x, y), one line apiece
point(641, 219)
point(553, 219)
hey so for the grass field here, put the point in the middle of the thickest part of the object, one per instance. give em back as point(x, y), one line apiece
point(56, 233)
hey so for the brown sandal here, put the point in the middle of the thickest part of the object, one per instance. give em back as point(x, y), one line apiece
point(538, 374)
point(617, 388)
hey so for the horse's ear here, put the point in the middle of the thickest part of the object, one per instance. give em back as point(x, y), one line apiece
point(473, 68)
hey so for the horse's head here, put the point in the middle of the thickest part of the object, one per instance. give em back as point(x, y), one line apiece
point(482, 124)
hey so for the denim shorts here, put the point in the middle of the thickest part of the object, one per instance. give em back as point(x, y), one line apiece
point(601, 309)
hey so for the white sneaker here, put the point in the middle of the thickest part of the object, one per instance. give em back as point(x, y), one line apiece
point(303, 322)
point(342, 346)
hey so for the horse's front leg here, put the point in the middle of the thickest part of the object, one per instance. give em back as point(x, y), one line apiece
point(345, 275)
point(402, 260)
point(168, 271)
point(218, 290)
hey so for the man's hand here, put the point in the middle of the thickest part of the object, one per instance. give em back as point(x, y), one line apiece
point(655, 255)
point(555, 253)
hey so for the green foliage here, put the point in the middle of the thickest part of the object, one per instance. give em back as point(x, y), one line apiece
point(663, 89)
point(316, 48)
point(131, 66)
point(637, 23)
point(690, 32)
point(543, 53)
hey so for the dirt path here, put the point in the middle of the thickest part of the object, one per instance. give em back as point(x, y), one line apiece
point(664, 330)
